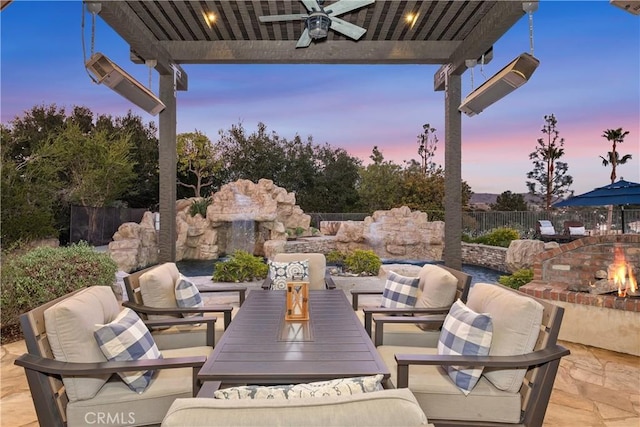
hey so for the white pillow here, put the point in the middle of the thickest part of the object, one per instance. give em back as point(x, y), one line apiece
point(465, 332)
point(337, 387)
point(576, 231)
point(400, 291)
point(547, 230)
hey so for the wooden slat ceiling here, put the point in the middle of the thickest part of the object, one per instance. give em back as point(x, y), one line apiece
point(178, 32)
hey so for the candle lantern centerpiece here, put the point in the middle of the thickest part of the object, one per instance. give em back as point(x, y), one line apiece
point(297, 300)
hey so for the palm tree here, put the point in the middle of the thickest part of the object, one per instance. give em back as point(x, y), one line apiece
point(615, 136)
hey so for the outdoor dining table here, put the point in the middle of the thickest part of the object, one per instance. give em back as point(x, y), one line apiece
point(261, 347)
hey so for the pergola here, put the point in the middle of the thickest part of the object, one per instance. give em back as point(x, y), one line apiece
point(229, 32)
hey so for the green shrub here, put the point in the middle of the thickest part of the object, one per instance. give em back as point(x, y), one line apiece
point(517, 279)
point(299, 231)
point(335, 257)
point(240, 267)
point(361, 261)
point(200, 206)
point(40, 275)
point(498, 237)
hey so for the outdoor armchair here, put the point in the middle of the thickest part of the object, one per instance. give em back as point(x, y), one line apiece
point(519, 370)
point(151, 294)
point(319, 277)
point(439, 287)
point(76, 387)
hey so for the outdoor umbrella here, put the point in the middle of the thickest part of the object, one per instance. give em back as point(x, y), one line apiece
point(619, 194)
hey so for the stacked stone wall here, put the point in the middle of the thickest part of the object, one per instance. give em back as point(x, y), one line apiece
point(486, 256)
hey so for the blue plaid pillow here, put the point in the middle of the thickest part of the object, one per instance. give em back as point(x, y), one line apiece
point(400, 291)
point(468, 333)
point(187, 296)
point(283, 272)
point(127, 338)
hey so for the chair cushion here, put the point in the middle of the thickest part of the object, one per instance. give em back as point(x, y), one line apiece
point(283, 272)
point(188, 295)
point(441, 399)
point(126, 407)
point(577, 231)
point(467, 333)
point(157, 287)
point(70, 325)
point(400, 291)
point(395, 408)
point(437, 287)
point(127, 338)
point(516, 325)
point(337, 387)
point(317, 266)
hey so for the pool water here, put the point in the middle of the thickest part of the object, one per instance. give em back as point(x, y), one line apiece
point(479, 274)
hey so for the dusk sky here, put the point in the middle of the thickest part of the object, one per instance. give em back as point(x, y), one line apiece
point(589, 77)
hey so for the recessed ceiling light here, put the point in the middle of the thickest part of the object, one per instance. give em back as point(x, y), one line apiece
point(210, 17)
point(411, 19)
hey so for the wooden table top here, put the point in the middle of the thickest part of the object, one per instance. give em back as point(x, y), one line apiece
point(255, 350)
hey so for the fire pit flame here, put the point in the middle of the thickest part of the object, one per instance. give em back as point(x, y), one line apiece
point(623, 275)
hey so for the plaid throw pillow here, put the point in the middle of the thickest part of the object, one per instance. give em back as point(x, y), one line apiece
point(400, 291)
point(468, 333)
point(283, 272)
point(187, 296)
point(127, 338)
point(337, 387)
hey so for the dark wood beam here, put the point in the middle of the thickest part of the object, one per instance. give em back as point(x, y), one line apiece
point(333, 52)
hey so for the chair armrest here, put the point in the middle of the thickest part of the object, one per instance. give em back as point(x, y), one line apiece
point(210, 321)
point(241, 290)
point(328, 280)
point(224, 309)
point(55, 367)
point(435, 320)
point(539, 357)
point(355, 293)
point(369, 311)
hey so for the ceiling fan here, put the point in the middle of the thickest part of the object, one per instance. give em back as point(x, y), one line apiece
point(319, 20)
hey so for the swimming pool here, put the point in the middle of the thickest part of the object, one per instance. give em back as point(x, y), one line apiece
point(205, 268)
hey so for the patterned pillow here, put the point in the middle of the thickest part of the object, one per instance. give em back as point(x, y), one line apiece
point(400, 291)
point(337, 387)
point(127, 338)
point(283, 272)
point(187, 296)
point(468, 333)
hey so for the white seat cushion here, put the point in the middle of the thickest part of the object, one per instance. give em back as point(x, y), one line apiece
point(437, 287)
point(126, 407)
point(439, 397)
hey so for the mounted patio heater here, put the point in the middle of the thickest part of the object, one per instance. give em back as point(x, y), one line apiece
point(511, 77)
point(111, 75)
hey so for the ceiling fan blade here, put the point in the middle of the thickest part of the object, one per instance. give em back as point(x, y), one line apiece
point(347, 28)
point(275, 18)
point(344, 6)
point(311, 5)
point(305, 39)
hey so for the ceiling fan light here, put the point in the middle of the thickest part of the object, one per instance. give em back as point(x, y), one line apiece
point(318, 26)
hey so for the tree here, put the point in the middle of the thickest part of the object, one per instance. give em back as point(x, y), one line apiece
point(508, 201)
point(197, 157)
point(427, 146)
point(615, 136)
point(549, 174)
point(379, 183)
